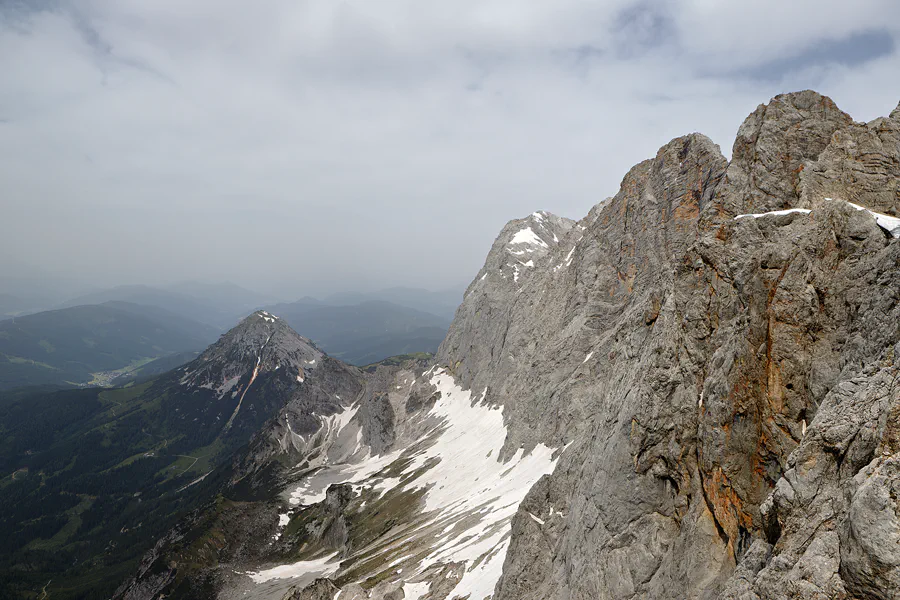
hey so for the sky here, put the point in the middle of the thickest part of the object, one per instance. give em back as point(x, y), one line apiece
point(309, 146)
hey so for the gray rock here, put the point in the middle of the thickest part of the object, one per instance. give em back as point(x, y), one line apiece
point(725, 389)
point(320, 589)
point(861, 164)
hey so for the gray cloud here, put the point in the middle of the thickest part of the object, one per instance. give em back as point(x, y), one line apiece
point(311, 146)
point(853, 50)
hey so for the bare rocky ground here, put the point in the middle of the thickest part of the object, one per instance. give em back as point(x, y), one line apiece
point(692, 392)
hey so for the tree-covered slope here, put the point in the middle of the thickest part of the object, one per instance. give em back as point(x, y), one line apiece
point(73, 345)
point(91, 478)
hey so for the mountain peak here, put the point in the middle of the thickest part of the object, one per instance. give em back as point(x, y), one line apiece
point(524, 245)
point(261, 342)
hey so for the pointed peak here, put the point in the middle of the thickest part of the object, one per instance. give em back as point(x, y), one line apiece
point(256, 326)
point(260, 343)
point(522, 246)
point(263, 334)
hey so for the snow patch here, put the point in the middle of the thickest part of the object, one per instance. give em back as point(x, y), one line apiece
point(313, 489)
point(414, 591)
point(528, 236)
point(468, 492)
point(587, 358)
point(320, 567)
point(805, 211)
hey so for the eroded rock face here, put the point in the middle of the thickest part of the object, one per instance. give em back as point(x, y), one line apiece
point(861, 164)
point(714, 352)
point(706, 363)
point(772, 149)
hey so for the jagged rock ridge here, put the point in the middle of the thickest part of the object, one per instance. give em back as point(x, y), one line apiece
point(701, 373)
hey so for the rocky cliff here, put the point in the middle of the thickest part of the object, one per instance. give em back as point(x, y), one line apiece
point(692, 392)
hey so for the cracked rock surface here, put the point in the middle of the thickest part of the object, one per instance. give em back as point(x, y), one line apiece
point(712, 352)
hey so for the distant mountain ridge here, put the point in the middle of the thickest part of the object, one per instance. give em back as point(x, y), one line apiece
point(215, 305)
point(353, 327)
point(367, 332)
point(442, 303)
point(70, 345)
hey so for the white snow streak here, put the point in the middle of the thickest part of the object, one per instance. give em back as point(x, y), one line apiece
point(886, 222)
point(805, 211)
point(321, 567)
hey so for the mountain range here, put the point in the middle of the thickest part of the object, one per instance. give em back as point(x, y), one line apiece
point(690, 392)
point(219, 306)
point(92, 343)
point(128, 332)
point(364, 333)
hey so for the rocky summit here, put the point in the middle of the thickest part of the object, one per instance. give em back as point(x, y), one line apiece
point(691, 392)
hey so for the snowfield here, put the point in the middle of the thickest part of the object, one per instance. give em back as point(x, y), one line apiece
point(470, 495)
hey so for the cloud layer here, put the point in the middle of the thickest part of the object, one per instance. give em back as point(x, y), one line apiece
point(306, 146)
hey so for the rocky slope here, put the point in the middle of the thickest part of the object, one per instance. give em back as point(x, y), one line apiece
point(692, 392)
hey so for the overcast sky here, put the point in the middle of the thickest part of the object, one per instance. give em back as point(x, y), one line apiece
point(306, 146)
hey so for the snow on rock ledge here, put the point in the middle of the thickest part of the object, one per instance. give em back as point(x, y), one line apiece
point(886, 222)
point(773, 213)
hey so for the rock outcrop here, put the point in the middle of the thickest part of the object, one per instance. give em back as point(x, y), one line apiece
point(722, 349)
point(696, 385)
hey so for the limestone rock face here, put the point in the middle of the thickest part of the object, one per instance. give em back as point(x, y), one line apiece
point(700, 360)
point(771, 151)
point(861, 164)
point(693, 392)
